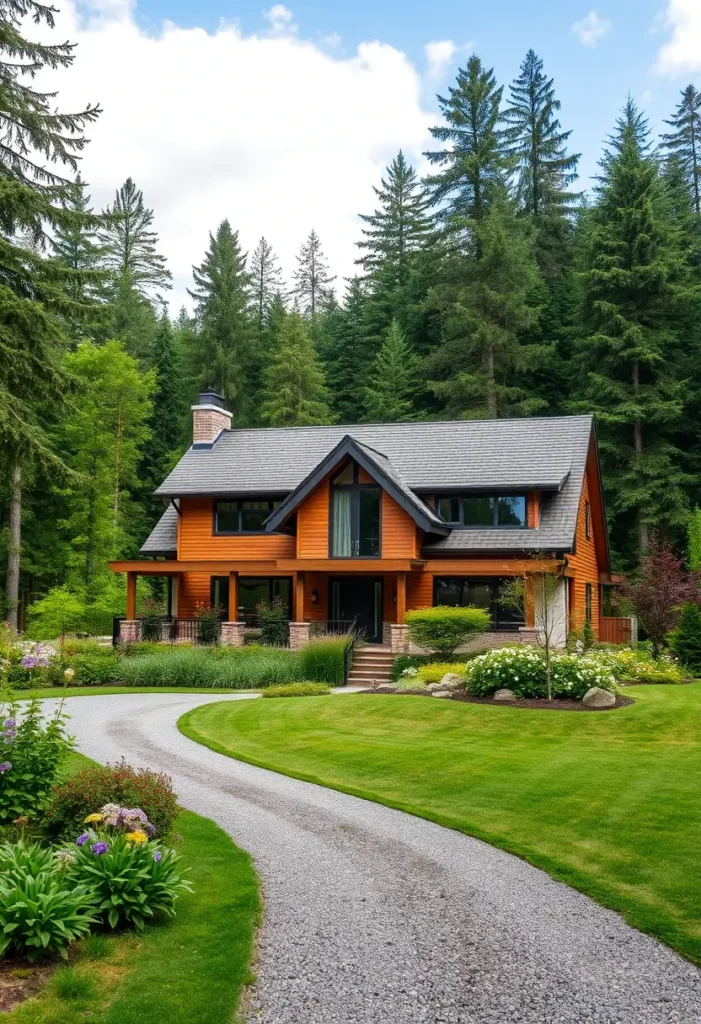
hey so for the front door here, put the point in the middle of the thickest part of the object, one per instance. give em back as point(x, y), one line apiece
point(359, 599)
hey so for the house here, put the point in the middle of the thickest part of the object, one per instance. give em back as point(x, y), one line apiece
point(358, 524)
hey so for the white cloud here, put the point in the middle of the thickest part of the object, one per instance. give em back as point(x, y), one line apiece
point(683, 51)
point(280, 20)
point(591, 29)
point(439, 55)
point(273, 132)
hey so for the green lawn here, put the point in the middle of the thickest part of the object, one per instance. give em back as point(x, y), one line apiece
point(189, 969)
point(92, 691)
point(609, 802)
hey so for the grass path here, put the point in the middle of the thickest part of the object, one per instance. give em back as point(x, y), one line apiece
point(190, 969)
point(608, 802)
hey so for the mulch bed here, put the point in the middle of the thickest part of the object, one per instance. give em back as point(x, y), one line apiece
point(20, 980)
point(537, 703)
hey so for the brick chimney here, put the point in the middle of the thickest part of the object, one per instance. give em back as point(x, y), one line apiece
point(209, 418)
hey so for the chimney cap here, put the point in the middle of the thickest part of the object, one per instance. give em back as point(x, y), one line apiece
point(210, 397)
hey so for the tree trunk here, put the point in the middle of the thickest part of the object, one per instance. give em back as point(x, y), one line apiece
point(14, 545)
point(643, 533)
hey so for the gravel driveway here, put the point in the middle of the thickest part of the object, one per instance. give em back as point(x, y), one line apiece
point(372, 915)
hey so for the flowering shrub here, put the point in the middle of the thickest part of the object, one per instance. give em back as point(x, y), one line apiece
point(31, 754)
point(627, 663)
point(522, 670)
point(41, 912)
point(119, 786)
point(434, 671)
point(130, 878)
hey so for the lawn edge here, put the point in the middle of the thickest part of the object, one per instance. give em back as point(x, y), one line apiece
point(640, 916)
point(60, 692)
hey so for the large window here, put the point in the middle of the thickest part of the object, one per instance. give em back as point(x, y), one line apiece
point(487, 593)
point(355, 516)
point(482, 510)
point(252, 590)
point(242, 516)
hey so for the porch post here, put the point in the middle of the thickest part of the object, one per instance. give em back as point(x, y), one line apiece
point(401, 598)
point(232, 632)
point(299, 629)
point(131, 596)
point(299, 597)
point(233, 597)
point(129, 627)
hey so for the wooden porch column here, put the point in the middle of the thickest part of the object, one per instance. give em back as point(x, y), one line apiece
point(233, 597)
point(299, 597)
point(401, 598)
point(131, 596)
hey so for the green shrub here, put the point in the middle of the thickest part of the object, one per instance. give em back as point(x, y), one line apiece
point(297, 690)
point(405, 661)
point(322, 660)
point(130, 882)
point(96, 785)
point(272, 616)
point(442, 630)
point(32, 752)
point(244, 668)
point(41, 912)
point(434, 671)
point(522, 670)
point(685, 640)
point(95, 669)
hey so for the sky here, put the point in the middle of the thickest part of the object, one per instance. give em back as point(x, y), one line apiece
point(282, 117)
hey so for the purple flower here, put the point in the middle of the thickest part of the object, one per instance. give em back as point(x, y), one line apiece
point(151, 829)
point(9, 723)
point(82, 840)
point(29, 661)
point(5, 766)
point(98, 848)
point(157, 856)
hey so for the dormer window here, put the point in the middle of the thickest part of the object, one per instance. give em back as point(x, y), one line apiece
point(483, 511)
point(355, 516)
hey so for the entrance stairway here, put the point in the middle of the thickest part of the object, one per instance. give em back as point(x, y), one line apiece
point(371, 666)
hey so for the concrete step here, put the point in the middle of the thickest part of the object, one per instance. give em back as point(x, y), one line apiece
point(367, 676)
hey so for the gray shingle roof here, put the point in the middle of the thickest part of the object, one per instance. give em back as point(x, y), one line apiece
point(163, 538)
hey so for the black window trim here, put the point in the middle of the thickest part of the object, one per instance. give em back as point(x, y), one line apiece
point(587, 520)
point(256, 579)
point(355, 511)
point(493, 581)
point(239, 502)
point(483, 494)
point(588, 601)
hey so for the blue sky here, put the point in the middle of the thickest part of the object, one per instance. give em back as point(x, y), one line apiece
point(283, 116)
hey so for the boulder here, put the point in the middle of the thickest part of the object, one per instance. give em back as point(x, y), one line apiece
point(452, 681)
point(508, 696)
point(596, 697)
point(442, 693)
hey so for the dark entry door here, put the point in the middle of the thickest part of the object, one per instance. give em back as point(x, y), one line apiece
point(359, 598)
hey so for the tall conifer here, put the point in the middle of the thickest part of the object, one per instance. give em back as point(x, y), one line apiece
point(684, 142)
point(399, 226)
point(130, 243)
point(394, 381)
point(295, 393)
point(266, 281)
point(312, 281)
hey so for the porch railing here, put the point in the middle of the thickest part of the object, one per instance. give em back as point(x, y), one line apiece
point(167, 630)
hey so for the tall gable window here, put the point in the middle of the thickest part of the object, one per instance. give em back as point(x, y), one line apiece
point(482, 511)
point(355, 516)
point(242, 516)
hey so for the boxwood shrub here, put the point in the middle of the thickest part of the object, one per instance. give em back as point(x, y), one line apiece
point(441, 630)
point(298, 690)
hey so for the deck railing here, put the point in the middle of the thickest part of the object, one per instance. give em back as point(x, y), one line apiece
point(167, 630)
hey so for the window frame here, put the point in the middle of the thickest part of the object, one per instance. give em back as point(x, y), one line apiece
point(239, 502)
point(588, 602)
point(355, 488)
point(587, 520)
point(270, 580)
point(494, 583)
point(496, 525)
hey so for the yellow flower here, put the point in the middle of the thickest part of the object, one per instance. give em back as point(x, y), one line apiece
point(92, 819)
point(136, 837)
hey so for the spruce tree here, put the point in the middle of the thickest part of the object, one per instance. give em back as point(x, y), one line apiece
point(223, 356)
point(266, 281)
point(347, 352)
point(75, 245)
point(474, 157)
point(166, 413)
point(312, 281)
point(684, 142)
point(130, 244)
point(485, 303)
point(295, 393)
point(394, 382)
point(636, 286)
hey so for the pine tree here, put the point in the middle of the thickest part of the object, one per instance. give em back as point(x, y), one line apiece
point(129, 243)
point(224, 353)
point(34, 299)
point(347, 352)
point(295, 393)
point(166, 413)
point(685, 141)
point(75, 245)
point(474, 157)
point(399, 228)
point(636, 285)
point(312, 280)
point(266, 281)
point(484, 300)
point(132, 320)
point(545, 168)
point(389, 397)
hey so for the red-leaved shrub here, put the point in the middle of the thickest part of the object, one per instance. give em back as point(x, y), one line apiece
point(93, 787)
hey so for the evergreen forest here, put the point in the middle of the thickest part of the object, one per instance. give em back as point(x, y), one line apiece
point(496, 284)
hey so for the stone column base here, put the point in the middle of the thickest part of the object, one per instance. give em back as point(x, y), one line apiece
point(527, 635)
point(299, 635)
point(386, 633)
point(129, 630)
point(399, 638)
point(232, 634)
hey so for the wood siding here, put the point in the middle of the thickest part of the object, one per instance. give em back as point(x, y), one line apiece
point(196, 538)
point(398, 530)
point(585, 564)
point(313, 524)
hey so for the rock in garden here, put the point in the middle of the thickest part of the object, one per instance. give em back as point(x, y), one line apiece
point(452, 681)
point(505, 695)
point(598, 698)
point(442, 693)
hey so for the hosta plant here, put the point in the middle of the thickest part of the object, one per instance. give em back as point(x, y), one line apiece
point(132, 880)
